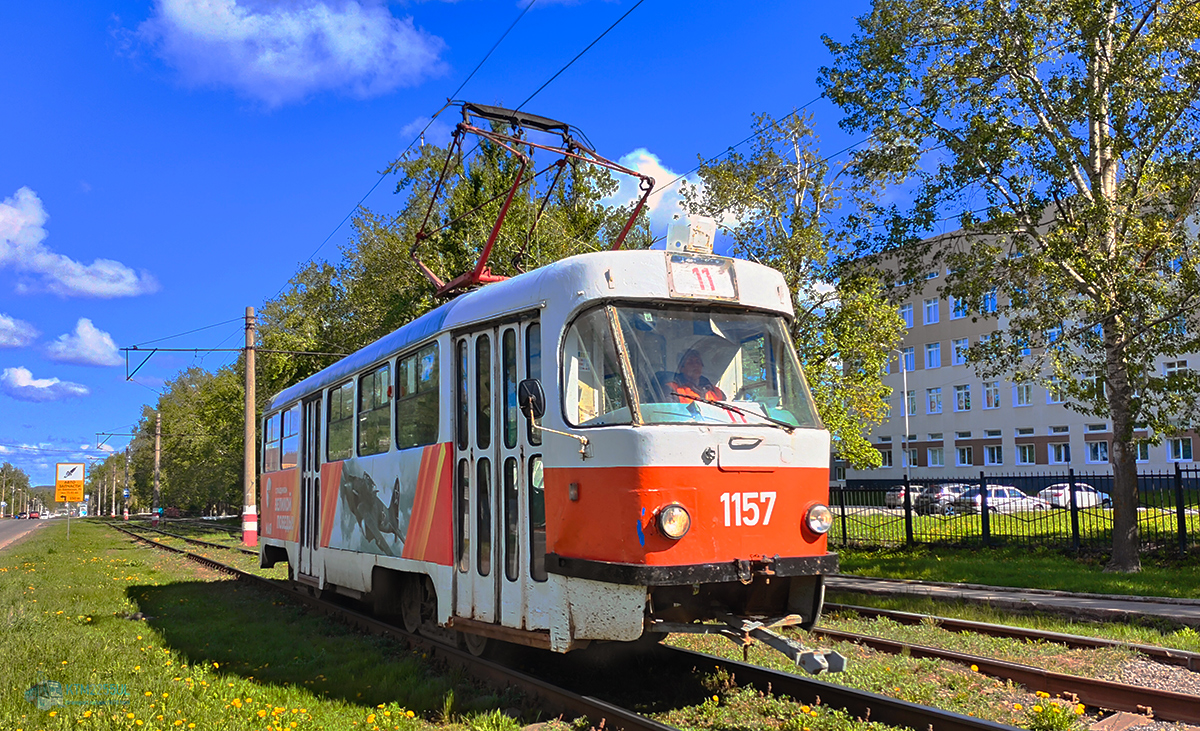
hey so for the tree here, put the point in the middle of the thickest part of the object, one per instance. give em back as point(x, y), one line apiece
point(774, 203)
point(1062, 135)
point(14, 481)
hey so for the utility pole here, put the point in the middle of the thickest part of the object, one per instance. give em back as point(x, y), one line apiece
point(249, 498)
point(154, 509)
point(124, 498)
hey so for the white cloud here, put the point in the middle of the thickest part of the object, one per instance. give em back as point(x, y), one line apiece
point(664, 202)
point(22, 233)
point(20, 384)
point(280, 52)
point(15, 333)
point(88, 345)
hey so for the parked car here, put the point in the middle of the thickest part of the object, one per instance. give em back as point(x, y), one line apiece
point(895, 497)
point(21, 516)
point(938, 499)
point(1086, 496)
point(1001, 499)
point(34, 515)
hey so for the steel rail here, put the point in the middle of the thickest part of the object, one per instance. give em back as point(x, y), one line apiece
point(1165, 655)
point(861, 704)
point(1166, 705)
point(858, 703)
point(603, 714)
point(197, 541)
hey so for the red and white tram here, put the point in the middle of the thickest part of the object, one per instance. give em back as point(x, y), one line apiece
point(407, 475)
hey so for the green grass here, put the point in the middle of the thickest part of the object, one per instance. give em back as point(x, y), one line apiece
point(1035, 568)
point(211, 651)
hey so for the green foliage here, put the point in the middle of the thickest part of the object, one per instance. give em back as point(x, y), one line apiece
point(1053, 714)
point(774, 203)
point(1062, 136)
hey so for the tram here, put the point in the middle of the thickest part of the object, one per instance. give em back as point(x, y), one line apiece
point(614, 446)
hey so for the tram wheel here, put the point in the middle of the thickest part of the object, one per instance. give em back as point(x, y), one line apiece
point(417, 602)
point(473, 643)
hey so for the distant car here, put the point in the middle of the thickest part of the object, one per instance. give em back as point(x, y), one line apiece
point(1001, 499)
point(21, 516)
point(34, 515)
point(938, 499)
point(895, 497)
point(1086, 496)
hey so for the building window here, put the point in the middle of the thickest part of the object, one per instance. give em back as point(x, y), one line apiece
point(1093, 384)
point(910, 359)
point(958, 308)
point(963, 457)
point(1025, 431)
point(1173, 367)
point(933, 355)
point(885, 440)
point(912, 458)
point(933, 275)
point(962, 435)
point(1023, 394)
point(991, 394)
point(1142, 451)
point(935, 436)
point(1097, 427)
point(911, 403)
point(886, 454)
point(958, 351)
point(934, 397)
point(1097, 452)
point(962, 398)
point(931, 311)
point(1025, 454)
point(993, 455)
point(1054, 393)
point(1060, 453)
point(1053, 334)
point(906, 314)
point(991, 433)
point(1060, 430)
point(989, 302)
point(1179, 450)
point(936, 456)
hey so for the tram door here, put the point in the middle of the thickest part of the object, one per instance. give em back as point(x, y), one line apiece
point(489, 476)
point(310, 486)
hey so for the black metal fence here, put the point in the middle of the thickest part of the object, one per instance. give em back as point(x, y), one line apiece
point(958, 512)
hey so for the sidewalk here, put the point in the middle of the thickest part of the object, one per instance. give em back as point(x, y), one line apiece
point(1103, 607)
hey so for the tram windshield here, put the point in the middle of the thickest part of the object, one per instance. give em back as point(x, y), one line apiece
point(687, 366)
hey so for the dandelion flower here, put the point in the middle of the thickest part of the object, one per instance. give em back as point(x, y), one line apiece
point(1037, 709)
point(974, 668)
point(1017, 706)
point(53, 713)
point(410, 714)
point(1079, 710)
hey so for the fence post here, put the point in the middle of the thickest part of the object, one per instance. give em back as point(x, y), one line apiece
point(908, 526)
point(1180, 516)
point(1074, 509)
point(841, 491)
point(985, 516)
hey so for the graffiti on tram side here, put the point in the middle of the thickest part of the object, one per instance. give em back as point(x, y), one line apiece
point(396, 504)
point(280, 503)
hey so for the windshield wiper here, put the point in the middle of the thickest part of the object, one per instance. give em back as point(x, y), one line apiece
point(737, 410)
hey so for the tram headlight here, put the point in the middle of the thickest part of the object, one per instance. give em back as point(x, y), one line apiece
point(819, 519)
point(674, 521)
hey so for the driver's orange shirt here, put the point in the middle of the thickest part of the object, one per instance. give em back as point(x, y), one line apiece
point(703, 391)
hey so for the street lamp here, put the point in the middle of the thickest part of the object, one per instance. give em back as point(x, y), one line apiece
point(904, 461)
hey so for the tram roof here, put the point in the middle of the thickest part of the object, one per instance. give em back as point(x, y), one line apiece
point(578, 277)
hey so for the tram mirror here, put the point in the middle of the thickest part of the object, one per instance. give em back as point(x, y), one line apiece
point(532, 398)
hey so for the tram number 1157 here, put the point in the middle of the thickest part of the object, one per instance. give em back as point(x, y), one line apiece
point(743, 508)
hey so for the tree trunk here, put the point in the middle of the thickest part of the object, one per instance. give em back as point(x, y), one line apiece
point(1126, 541)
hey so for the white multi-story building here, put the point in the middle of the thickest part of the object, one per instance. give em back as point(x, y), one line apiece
point(959, 423)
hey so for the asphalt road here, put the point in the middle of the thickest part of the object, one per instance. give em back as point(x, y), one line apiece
point(11, 529)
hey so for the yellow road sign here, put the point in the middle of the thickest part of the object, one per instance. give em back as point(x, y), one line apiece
point(68, 482)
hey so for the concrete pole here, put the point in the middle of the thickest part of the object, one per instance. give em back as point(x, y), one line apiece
point(249, 499)
point(125, 500)
point(154, 509)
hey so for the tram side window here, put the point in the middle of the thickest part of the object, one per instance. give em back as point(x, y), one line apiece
point(417, 398)
point(339, 440)
point(537, 520)
point(271, 444)
point(512, 520)
point(533, 369)
point(290, 452)
point(464, 514)
point(483, 511)
point(374, 411)
point(509, 376)
point(483, 392)
point(593, 387)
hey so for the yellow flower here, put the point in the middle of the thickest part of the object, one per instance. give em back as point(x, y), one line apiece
point(1042, 694)
point(410, 714)
point(128, 715)
point(53, 713)
point(974, 668)
point(804, 709)
point(1037, 709)
point(716, 699)
point(191, 725)
point(148, 693)
point(216, 664)
point(1079, 710)
point(262, 714)
point(1017, 706)
point(137, 667)
point(138, 722)
point(371, 718)
point(178, 722)
point(165, 695)
point(87, 714)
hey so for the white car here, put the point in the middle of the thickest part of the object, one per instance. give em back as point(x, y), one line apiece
point(1001, 499)
point(1086, 496)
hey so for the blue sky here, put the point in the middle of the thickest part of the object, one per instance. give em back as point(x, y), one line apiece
point(167, 163)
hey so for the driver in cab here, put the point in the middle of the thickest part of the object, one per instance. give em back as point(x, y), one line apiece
point(689, 383)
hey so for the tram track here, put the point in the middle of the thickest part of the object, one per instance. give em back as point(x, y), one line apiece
point(196, 541)
point(802, 689)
